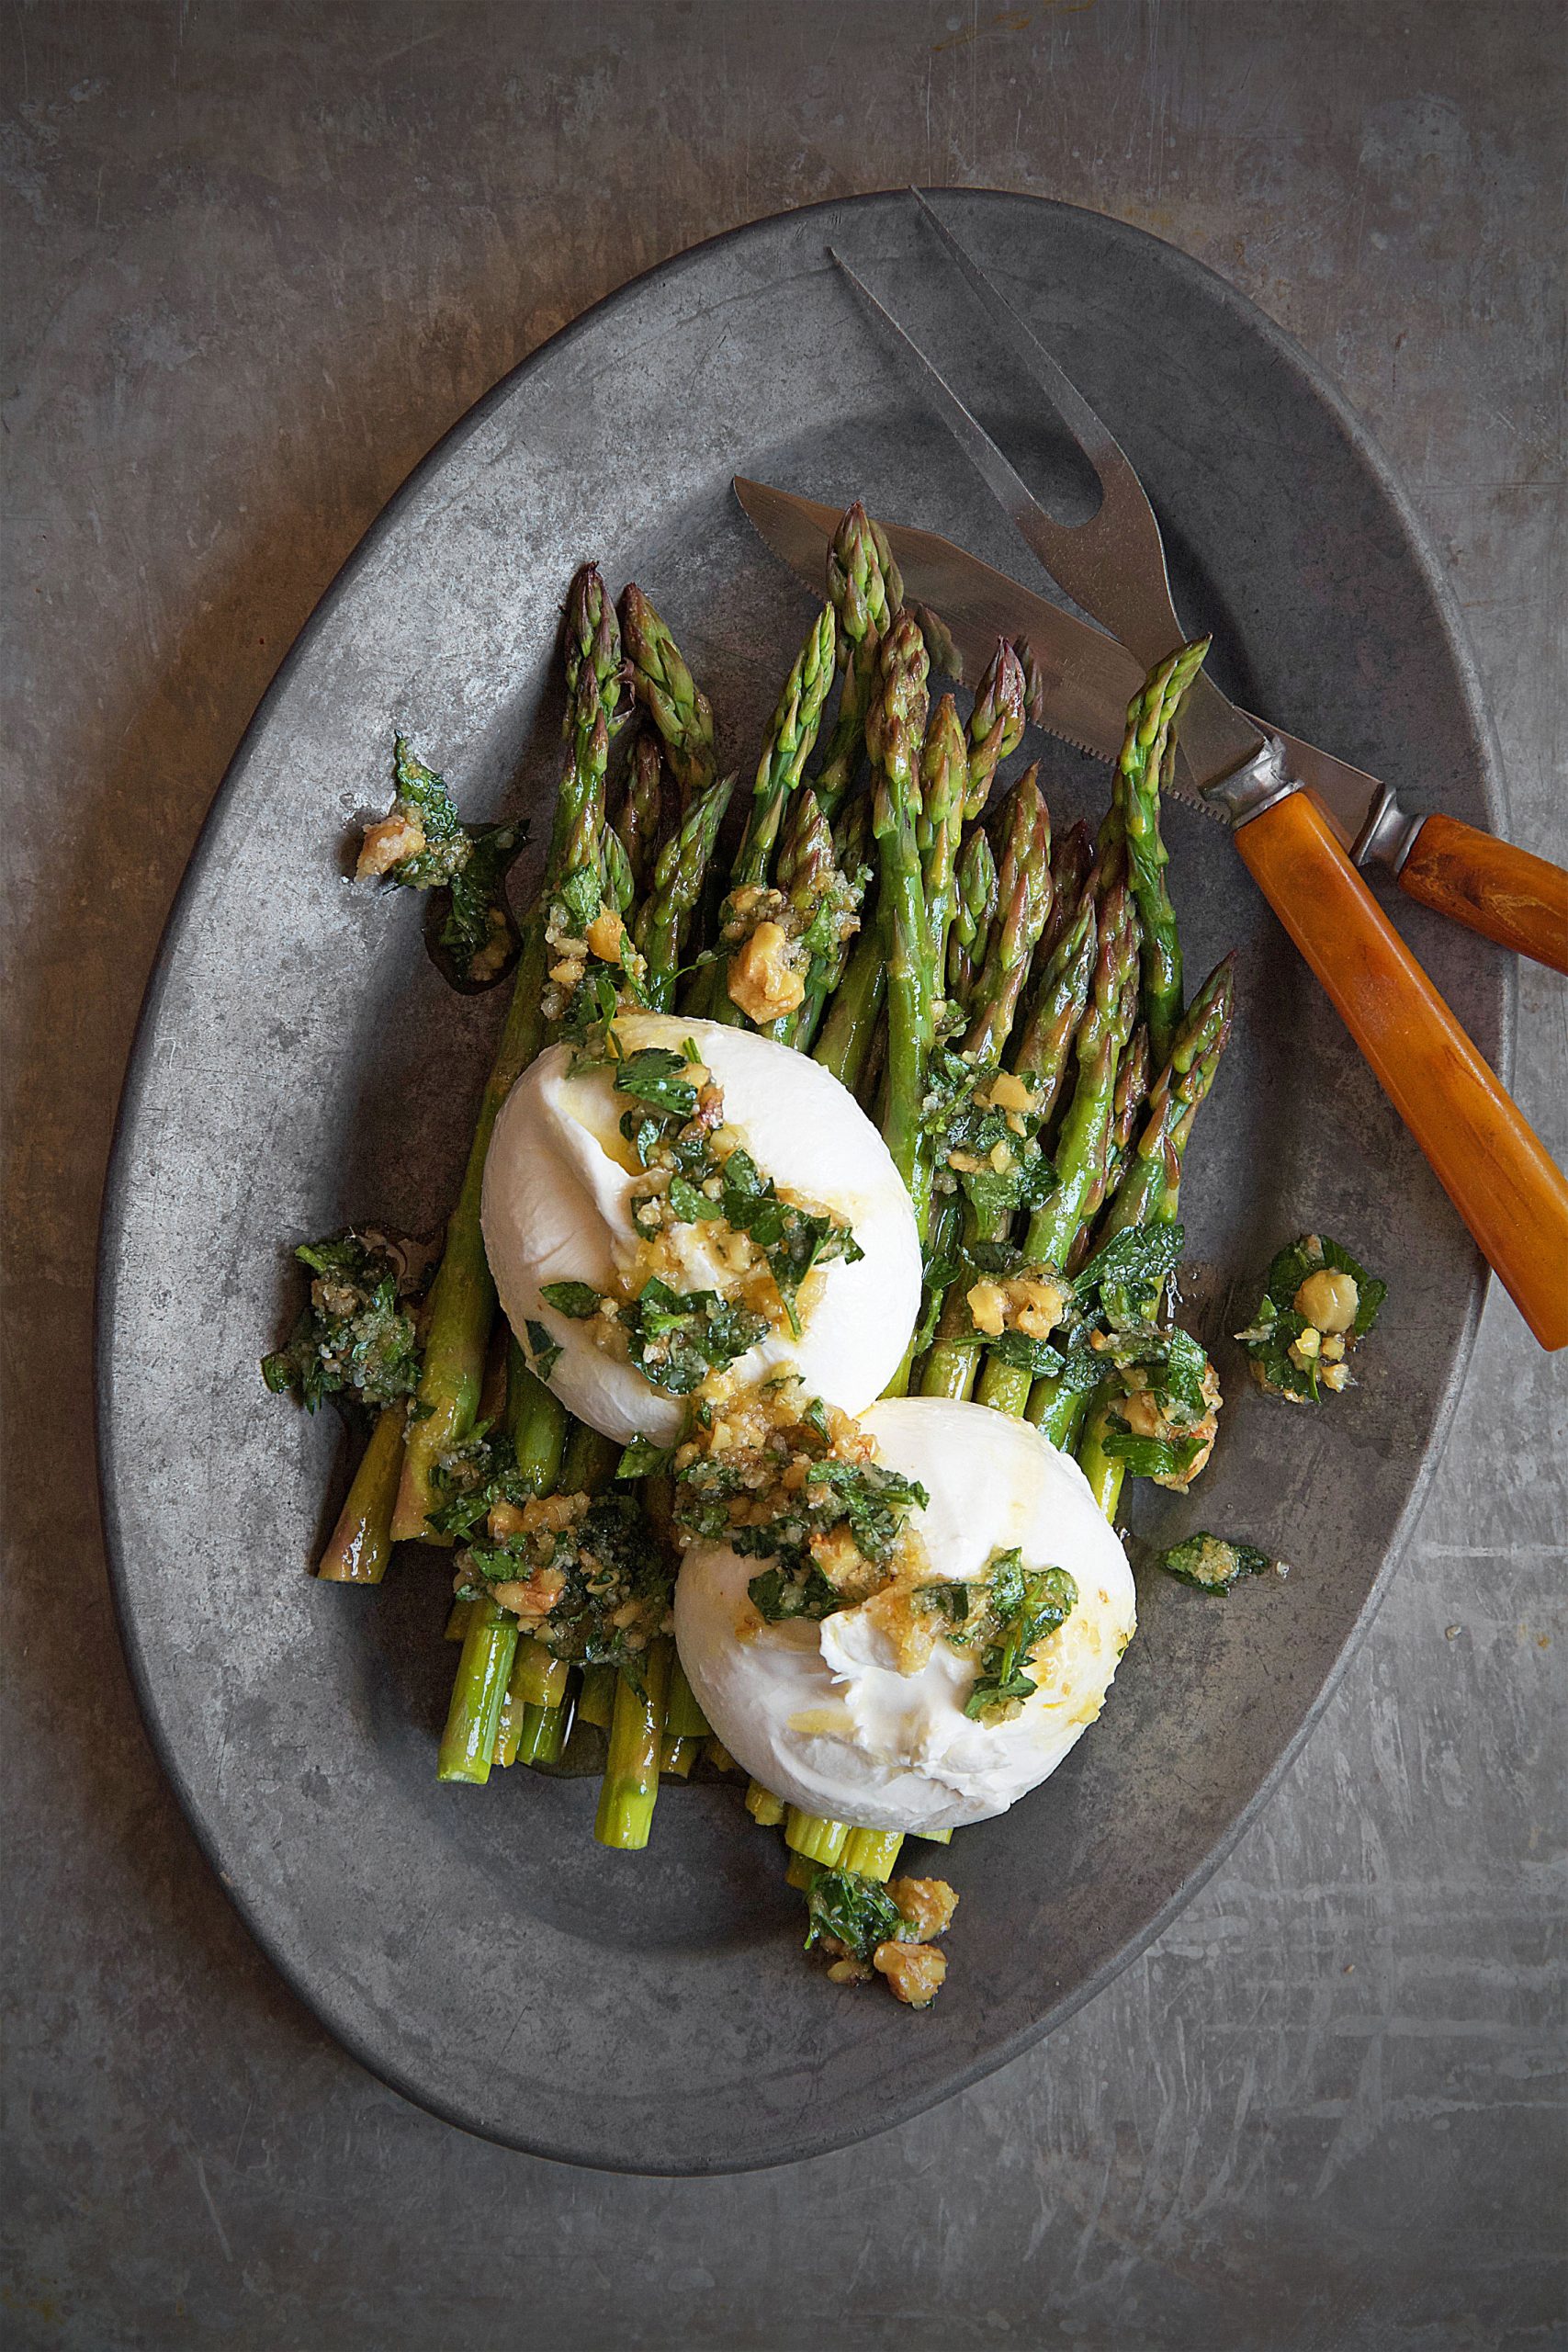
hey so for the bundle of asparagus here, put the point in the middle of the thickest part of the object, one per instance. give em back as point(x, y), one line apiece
point(1012, 1011)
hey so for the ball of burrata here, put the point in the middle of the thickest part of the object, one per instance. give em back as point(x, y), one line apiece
point(822, 1712)
point(563, 1178)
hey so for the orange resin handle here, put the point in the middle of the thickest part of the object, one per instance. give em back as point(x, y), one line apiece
point(1491, 1165)
point(1504, 893)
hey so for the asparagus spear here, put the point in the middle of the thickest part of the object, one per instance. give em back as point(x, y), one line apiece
point(1104, 1471)
point(462, 1297)
point(361, 1543)
point(1149, 1188)
point(677, 875)
point(670, 694)
point(1101, 1037)
point(996, 724)
point(990, 1000)
point(1043, 1052)
point(537, 1424)
point(822, 904)
point(785, 754)
point(1072, 857)
point(865, 592)
point(640, 823)
point(1023, 900)
point(848, 1033)
point(975, 907)
point(779, 771)
point(1132, 1092)
point(630, 1785)
point(1134, 819)
point(894, 729)
point(944, 778)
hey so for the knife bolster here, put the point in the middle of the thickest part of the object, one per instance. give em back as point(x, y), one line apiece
point(1388, 834)
point(1260, 783)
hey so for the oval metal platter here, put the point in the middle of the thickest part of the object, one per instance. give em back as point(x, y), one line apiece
point(301, 1064)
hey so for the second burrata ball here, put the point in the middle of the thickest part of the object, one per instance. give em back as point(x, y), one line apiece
point(822, 1712)
point(563, 1179)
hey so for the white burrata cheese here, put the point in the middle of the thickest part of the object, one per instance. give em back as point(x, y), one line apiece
point(558, 1185)
point(821, 1714)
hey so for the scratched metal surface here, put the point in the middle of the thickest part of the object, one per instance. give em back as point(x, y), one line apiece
point(258, 262)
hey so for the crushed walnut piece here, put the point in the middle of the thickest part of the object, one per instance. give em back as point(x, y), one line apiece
point(914, 1971)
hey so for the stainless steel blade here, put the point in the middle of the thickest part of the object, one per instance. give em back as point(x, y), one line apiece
point(1089, 679)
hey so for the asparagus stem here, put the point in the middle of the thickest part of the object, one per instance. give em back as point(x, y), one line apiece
point(509, 1727)
point(467, 1744)
point(1102, 1470)
point(462, 1297)
point(683, 1718)
point(809, 1834)
point(1101, 1039)
point(458, 1621)
point(719, 1757)
point(539, 1677)
point(788, 746)
point(1023, 901)
point(589, 1461)
point(678, 1756)
point(945, 776)
point(894, 729)
point(631, 1770)
point(1072, 861)
point(765, 1809)
point(543, 1733)
point(1134, 819)
point(596, 1699)
point(1151, 1184)
point(1057, 1413)
point(1043, 1053)
point(975, 907)
point(872, 1852)
point(845, 1043)
point(640, 823)
point(536, 1423)
point(361, 1543)
point(678, 876)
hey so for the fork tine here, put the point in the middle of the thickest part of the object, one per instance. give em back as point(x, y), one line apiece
point(1005, 484)
point(1087, 428)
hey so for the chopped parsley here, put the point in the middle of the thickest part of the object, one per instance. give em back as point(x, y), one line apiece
point(676, 1338)
point(1005, 1617)
point(1214, 1564)
point(357, 1337)
point(468, 931)
point(991, 1153)
point(615, 1581)
point(580, 1300)
point(1291, 1355)
point(857, 1910)
point(734, 1499)
point(792, 1239)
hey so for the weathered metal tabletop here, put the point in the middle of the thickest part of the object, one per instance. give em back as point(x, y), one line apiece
point(259, 258)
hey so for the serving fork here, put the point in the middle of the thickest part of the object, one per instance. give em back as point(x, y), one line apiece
point(1299, 844)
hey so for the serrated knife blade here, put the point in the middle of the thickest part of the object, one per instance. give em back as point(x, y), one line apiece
point(1088, 679)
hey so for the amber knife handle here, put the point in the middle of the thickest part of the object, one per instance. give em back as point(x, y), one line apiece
point(1489, 1160)
point(1504, 893)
